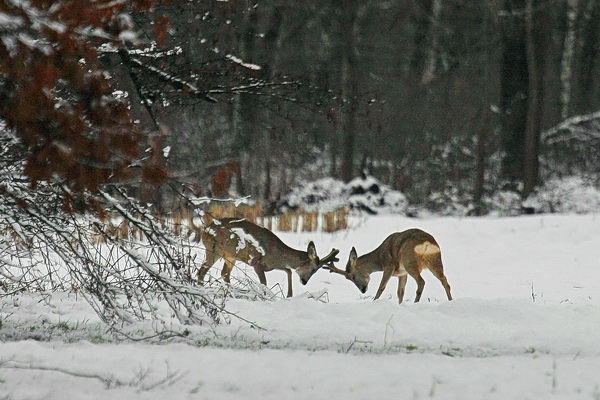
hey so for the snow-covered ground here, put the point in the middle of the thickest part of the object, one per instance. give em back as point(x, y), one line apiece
point(525, 324)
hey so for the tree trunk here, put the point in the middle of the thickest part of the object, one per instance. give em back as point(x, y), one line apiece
point(484, 125)
point(273, 39)
point(349, 81)
point(514, 89)
point(422, 17)
point(536, 70)
point(568, 57)
point(480, 161)
point(268, 183)
point(589, 52)
point(429, 69)
point(349, 123)
point(243, 106)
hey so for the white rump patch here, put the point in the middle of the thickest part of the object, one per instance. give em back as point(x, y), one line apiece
point(426, 248)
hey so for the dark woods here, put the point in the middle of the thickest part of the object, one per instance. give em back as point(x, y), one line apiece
point(443, 100)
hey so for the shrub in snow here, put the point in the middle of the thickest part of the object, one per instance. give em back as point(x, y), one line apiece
point(324, 194)
point(449, 202)
point(570, 194)
point(504, 203)
point(124, 271)
point(365, 194)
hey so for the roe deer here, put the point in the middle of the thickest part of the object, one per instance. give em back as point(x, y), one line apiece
point(238, 239)
point(401, 253)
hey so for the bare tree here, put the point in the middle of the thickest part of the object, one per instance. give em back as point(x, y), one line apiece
point(348, 11)
point(536, 72)
point(568, 57)
point(514, 82)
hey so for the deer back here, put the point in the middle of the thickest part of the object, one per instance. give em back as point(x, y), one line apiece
point(255, 245)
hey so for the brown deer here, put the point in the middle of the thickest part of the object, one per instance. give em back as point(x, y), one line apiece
point(238, 239)
point(400, 254)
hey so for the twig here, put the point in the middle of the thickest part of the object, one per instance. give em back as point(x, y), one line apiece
point(533, 295)
point(108, 381)
point(355, 341)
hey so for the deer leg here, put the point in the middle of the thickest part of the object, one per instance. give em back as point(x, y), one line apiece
point(420, 286)
point(211, 257)
point(289, 281)
point(202, 273)
point(261, 274)
point(384, 280)
point(446, 287)
point(438, 273)
point(401, 285)
point(227, 267)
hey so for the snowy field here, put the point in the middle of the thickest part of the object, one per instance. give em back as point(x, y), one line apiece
point(525, 324)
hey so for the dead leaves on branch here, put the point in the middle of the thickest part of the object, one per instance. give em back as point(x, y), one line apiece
point(57, 98)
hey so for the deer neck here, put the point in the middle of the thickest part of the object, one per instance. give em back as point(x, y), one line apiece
point(285, 257)
point(369, 262)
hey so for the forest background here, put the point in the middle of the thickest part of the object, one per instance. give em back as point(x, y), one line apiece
point(449, 102)
point(455, 104)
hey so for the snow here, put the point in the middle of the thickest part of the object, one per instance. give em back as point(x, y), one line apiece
point(524, 324)
point(239, 61)
point(244, 239)
point(10, 22)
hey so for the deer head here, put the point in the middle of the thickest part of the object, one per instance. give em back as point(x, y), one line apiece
point(314, 263)
point(353, 272)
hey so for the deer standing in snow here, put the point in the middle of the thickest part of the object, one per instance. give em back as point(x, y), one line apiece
point(237, 239)
point(401, 254)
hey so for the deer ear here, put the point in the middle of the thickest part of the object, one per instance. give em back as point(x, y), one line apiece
point(351, 260)
point(312, 251)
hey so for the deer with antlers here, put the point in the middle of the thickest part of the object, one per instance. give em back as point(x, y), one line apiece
point(401, 254)
point(237, 239)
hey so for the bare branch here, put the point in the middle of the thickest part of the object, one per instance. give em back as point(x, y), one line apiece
point(165, 77)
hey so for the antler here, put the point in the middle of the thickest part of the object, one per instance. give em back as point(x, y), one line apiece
point(330, 258)
point(333, 268)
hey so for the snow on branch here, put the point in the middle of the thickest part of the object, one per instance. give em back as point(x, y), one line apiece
point(583, 128)
point(44, 249)
point(239, 61)
point(166, 77)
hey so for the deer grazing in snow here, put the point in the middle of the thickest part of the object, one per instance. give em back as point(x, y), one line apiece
point(237, 239)
point(401, 254)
